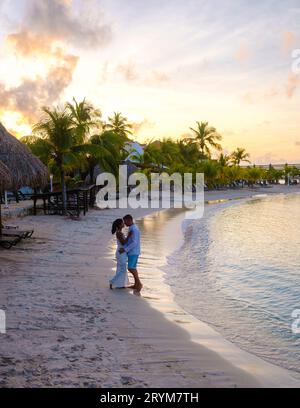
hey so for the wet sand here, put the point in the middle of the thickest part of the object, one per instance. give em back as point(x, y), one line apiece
point(65, 328)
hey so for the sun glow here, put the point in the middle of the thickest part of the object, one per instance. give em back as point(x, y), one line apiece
point(15, 123)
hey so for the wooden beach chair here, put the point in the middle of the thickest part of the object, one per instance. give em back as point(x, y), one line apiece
point(8, 242)
point(15, 231)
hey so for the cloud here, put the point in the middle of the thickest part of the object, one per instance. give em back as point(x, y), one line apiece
point(249, 97)
point(268, 158)
point(138, 126)
point(186, 136)
point(128, 71)
point(288, 41)
point(229, 133)
point(25, 43)
point(264, 123)
point(28, 97)
point(48, 27)
point(243, 54)
point(159, 76)
point(54, 19)
point(287, 89)
point(292, 84)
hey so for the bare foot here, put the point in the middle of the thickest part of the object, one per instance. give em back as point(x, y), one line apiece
point(138, 288)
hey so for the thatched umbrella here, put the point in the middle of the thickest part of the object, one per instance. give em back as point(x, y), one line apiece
point(5, 183)
point(26, 169)
point(5, 177)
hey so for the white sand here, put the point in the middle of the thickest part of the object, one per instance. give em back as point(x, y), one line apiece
point(66, 328)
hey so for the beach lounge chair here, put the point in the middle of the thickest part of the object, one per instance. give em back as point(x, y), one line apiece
point(8, 242)
point(15, 231)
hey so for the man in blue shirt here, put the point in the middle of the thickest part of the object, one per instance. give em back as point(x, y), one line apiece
point(133, 250)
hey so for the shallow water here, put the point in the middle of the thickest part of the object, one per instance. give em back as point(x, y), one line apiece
point(239, 272)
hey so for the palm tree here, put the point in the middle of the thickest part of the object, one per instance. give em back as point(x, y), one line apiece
point(233, 173)
point(240, 155)
point(224, 160)
point(84, 117)
point(55, 140)
point(119, 125)
point(274, 175)
point(189, 152)
point(107, 150)
point(210, 168)
point(254, 174)
point(206, 137)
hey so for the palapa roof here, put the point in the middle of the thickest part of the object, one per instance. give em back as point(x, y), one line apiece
point(5, 177)
point(25, 168)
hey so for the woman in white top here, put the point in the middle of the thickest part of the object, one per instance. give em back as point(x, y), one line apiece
point(120, 280)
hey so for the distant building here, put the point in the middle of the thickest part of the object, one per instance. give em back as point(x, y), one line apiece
point(134, 149)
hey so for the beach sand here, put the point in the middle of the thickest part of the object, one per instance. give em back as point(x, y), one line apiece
point(65, 328)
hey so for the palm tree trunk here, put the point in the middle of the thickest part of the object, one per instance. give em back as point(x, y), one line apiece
point(91, 171)
point(63, 190)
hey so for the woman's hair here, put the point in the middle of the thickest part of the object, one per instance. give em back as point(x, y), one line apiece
point(116, 224)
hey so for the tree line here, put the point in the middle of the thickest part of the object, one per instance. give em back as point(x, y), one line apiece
point(73, 139)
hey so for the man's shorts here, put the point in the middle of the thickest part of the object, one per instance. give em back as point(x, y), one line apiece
point(132, 261)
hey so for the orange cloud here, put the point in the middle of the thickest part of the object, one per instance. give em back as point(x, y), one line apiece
point(158, 76)
point(137, 126)
point(131, 73)
point(288, 41)
point(25, 43)
point(243, 54)
point(288, 89)
point(54, 19)
point(128, 71)
point(27, 98)
point(292, 84)
point(48, 26)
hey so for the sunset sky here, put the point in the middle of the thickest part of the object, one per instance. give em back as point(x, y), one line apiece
point(163, 63)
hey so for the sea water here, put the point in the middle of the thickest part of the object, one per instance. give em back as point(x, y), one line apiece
point(239, 271)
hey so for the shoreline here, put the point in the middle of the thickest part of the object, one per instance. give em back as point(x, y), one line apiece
point(67, 329)
point(266, 374)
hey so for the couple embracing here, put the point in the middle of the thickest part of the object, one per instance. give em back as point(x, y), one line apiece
point(128, 251)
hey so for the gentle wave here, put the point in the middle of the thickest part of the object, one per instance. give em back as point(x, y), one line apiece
point(239, 266)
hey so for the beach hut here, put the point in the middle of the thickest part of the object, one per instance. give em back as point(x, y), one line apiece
point(5, 183)
point(19, 167)
point(5, 177)
point(25, 168)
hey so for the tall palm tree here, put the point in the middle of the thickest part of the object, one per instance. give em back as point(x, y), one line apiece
point(85, 118)
point(119, 125)
point(189, 152)
point(206, 137)
point(240, 155)
point(55, 139)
